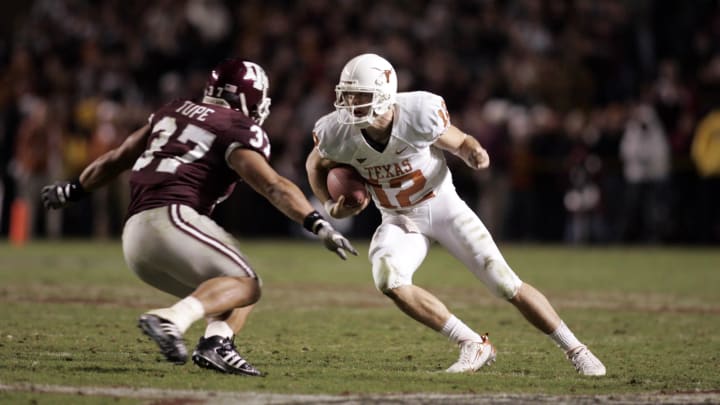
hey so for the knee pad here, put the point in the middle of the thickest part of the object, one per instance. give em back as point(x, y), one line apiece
point(501, 280)
point(386, 275)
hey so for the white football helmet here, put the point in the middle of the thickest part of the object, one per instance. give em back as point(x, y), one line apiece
point(367, 88)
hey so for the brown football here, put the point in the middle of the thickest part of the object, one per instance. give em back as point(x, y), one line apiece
point(345, 180)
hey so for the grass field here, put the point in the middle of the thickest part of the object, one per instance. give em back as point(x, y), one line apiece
point(323, 334)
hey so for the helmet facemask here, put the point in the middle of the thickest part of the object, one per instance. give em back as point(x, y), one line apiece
point(238, 102)
point(350, 103)
point(258, 112)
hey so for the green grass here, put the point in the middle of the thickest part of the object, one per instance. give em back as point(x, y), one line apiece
point(651, 314)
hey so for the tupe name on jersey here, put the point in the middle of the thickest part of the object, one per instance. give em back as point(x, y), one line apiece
point(194, 111)
point(388, 171)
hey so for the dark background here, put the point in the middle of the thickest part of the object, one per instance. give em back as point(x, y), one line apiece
point(589, 109)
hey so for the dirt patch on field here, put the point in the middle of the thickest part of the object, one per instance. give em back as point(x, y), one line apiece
point(102, 296)
point(321, 296)
point(318, 296)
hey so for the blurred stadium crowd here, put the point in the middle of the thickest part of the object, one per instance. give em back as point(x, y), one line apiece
point(601, 117)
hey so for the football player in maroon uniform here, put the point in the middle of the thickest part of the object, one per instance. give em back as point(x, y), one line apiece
point(184, 161)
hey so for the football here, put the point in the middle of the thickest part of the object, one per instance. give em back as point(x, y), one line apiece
point(346, 181)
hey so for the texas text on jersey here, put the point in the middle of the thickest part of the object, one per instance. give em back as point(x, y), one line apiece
point(185, 160)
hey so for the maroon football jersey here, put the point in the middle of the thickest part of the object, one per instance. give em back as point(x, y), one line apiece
point(185, 159)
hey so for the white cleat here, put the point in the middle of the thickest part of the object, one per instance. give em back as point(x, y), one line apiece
point(473, 355)
point(585, 362)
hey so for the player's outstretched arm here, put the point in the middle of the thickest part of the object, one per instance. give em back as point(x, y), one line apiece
point(465, 147)
point(287, 197)
point(98, 173)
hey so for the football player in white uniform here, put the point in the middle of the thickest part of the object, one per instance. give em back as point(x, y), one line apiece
point(396, 142)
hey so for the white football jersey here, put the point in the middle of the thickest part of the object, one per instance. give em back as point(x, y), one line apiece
point(409, 170)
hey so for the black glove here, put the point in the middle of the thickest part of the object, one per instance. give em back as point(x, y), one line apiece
point(62, 193)
point(333, 240)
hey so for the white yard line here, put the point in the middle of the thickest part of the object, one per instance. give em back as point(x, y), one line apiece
point(226, 397)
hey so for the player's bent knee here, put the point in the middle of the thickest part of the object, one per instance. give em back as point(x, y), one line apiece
point(503, 282)
point(253, 292)
point(509, 291)
point(386, 276)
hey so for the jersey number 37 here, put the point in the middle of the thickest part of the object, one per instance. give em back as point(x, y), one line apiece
point(166, 128)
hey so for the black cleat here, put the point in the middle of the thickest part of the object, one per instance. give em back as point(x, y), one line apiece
point(219, 353)
point(166, 335)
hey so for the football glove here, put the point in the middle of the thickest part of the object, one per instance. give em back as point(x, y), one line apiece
point(332, 239)
point(62, 193)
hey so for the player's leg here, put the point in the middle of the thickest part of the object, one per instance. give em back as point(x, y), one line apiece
point(467, 238)
point(145, 256)
point(216, 349)
point(167, 335)
point(536, 308)
point(395, 254)
point(221, 294)
point(180, 315)
point(195, 252)
point(235, 321)
point(227, 296)
point(176, 243)
point(396, 251)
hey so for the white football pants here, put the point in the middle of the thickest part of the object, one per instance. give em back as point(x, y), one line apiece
point(175, 249)
point(401, 243)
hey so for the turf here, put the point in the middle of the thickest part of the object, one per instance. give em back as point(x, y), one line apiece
point(651, 314)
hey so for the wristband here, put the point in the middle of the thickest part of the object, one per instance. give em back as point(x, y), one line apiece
point(75, 191)
point(311, 221)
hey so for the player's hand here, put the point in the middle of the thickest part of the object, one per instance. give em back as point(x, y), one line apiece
point(338, 209)
point(334, 240)
point(61, 194)
point(478, 158)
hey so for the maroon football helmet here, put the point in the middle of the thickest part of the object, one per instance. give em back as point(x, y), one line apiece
point(241, 85)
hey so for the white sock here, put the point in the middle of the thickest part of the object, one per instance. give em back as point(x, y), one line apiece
point(458, 332)
point(183, 313)
point(564, 338)
point(218, 328)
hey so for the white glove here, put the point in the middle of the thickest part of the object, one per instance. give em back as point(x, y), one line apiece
point(333, 240)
